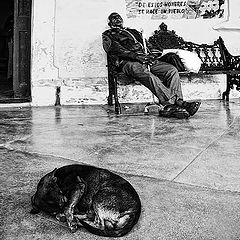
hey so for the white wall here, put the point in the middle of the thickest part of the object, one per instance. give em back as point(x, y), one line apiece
point(67, 49)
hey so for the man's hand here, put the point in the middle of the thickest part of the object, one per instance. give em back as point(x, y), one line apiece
point(145, 59)
point(157, 53)
point(141, 58)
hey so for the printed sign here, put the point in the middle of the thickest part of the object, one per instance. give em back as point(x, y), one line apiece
point(175, 9)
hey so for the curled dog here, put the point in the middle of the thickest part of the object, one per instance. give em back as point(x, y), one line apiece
point(101, 201)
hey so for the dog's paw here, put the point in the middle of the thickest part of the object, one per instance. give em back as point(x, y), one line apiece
point(61, 217)
point(34, 211)
point(73, 226)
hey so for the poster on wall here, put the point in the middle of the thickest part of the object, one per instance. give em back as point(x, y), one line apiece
point(176, 9)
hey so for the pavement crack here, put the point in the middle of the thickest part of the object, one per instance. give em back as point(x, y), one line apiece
point(8, 144)
point(203, 150)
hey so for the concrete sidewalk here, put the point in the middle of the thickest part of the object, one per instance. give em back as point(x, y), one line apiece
point(185, 171)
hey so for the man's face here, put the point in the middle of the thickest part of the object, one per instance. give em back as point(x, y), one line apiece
point(116, 21)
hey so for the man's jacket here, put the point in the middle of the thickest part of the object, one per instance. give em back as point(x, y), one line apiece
point(123, 43)
point(126, 44)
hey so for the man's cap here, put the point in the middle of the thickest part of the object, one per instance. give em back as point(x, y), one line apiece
point(112, 15)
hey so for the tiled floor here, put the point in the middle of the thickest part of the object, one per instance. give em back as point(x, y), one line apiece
point(186, 171)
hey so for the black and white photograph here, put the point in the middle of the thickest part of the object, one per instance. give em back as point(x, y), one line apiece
point(120, 119)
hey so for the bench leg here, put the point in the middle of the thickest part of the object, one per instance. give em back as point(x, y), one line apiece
point(225, 95)
point(116, 102)
point(110, 99)
point(112, 95)
point(110, 89)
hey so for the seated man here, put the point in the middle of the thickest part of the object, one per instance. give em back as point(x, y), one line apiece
point(162, 80)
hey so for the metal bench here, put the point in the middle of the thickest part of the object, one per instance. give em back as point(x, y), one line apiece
point(215, 57)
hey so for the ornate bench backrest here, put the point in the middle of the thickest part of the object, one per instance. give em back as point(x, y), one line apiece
point(231, 62)
point(212, 59)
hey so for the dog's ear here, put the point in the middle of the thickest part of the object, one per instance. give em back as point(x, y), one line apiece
point(34, 210)
point(54, 171)
point(53, 175)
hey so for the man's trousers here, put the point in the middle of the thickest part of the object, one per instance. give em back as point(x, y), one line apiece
point(162, 80)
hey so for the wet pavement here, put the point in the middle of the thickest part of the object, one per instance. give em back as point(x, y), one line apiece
point(185, 171)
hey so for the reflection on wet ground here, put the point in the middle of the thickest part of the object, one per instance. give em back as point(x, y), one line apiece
point(185, 166)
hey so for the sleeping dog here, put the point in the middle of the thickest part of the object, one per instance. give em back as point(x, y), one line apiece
point(99, 200)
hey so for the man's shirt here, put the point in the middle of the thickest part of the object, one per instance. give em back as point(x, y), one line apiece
point(124, 43)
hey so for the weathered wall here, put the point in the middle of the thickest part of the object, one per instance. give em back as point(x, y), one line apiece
point(67, 49)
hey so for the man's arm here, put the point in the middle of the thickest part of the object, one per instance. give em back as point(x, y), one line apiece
point(156, 52)
point(150, 48)
point(115, 48)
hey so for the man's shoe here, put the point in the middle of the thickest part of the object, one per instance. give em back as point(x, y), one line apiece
point(191, 107)
point(174, 111)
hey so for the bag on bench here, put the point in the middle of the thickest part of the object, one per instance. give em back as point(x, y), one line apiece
point(174, 59)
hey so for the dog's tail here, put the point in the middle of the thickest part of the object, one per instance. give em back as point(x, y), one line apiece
point(112, 229)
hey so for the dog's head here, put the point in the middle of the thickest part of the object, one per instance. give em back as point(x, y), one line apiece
point(48, 197)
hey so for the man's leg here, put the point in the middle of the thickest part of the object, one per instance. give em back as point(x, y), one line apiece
point(165, 85)
point(170, 77)
point(167, 97)
point(137, 71)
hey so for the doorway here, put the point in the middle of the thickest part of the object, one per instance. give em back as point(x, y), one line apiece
point(15, 45)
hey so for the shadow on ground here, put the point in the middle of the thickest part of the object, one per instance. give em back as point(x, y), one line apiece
point(185, 171)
